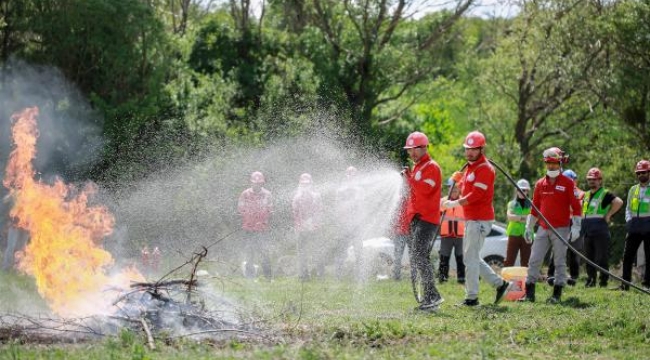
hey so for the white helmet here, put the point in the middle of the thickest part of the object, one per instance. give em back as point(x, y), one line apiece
point(523, 184)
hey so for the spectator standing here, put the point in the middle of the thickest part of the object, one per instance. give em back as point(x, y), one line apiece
point(255, 206)
point(598, 208)
point(518, 211)
point(637, 220)
point(452, 231)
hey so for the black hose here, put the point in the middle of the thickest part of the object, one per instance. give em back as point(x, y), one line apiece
point(541, 216)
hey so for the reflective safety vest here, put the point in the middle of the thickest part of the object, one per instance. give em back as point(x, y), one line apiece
point(453, 224)
point(640, 204)
point(516, 228)
point(592, 204)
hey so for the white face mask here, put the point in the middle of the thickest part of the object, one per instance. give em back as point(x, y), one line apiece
point(553, 173)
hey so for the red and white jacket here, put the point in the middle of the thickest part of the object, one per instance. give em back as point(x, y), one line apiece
point(424, 182)
point(556, 201)
point(307, 210)
point(255, 209)
point(477, 187)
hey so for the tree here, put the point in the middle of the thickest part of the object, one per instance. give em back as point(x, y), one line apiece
point(538, 85)
point(628, 90)
point(370, 53)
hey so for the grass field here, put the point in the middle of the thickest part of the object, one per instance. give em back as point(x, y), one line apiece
point(342, 320)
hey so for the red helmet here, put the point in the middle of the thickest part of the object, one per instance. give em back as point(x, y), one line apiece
point(594, 173)
point(416, 139)
point(350, 171)
point(305, 179)
point(257, 178)
point(643, 165)
point(474, 140)
point(553, 155)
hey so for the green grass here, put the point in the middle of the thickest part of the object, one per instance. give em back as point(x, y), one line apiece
point(342, 320)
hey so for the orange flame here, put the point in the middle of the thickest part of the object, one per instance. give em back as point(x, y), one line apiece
point(64, 252)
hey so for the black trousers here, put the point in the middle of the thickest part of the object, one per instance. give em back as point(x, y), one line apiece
point(420, 245)
point(597, 250)
point(632, 242)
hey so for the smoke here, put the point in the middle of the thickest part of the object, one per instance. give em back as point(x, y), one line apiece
point(70, 131)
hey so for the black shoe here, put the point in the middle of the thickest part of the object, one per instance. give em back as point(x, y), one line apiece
point(469, 302)
point(557, 295)
point(571, 281)
point(550, 280)
point(530, 293)
point(591, 282)
point(442, 279)
point(622, 287)
point(429, 307)
point(502, 291)
point(461, 280)
point(602, 284)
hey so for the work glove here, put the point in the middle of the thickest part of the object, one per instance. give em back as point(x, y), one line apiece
point(575, 228)
point(448, 204)
point(529, 233)
point(457, 176)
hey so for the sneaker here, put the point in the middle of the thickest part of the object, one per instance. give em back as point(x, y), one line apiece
point(469, 302)
point(428, 307)
point(502, 291)
point(571, 281)
point(461, 280)
point(551, 280)
point(438, 301)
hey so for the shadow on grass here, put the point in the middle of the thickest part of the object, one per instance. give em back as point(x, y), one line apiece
point(574, 302)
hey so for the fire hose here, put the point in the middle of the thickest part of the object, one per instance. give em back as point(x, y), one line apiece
point(566, 242)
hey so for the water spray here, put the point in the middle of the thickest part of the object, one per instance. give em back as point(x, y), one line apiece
point(566, 242)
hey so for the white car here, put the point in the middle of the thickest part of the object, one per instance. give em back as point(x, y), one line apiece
point(379, 252)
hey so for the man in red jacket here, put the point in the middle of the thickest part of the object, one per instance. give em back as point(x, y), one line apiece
point(255, 206)
point(554, 197)
point(477, 193)
point(423, 214)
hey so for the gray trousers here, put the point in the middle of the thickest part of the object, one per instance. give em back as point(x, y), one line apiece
point(545, 239)
point(475, 233)
point(16, 240)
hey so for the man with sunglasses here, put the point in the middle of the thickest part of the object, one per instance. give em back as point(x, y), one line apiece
point(637, 218)
point(598, 207)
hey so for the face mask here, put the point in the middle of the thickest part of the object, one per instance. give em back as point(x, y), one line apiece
point(553, 173)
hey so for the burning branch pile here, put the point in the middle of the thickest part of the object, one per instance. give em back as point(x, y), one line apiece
point(70, 267)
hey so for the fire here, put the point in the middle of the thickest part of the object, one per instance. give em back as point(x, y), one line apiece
point(64, 253)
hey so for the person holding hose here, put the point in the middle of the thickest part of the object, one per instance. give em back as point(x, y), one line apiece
point(423, 214)
point(554, 198)
point(518, 211)
point(477, 193)
point(573, 260)
point(255, 206)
